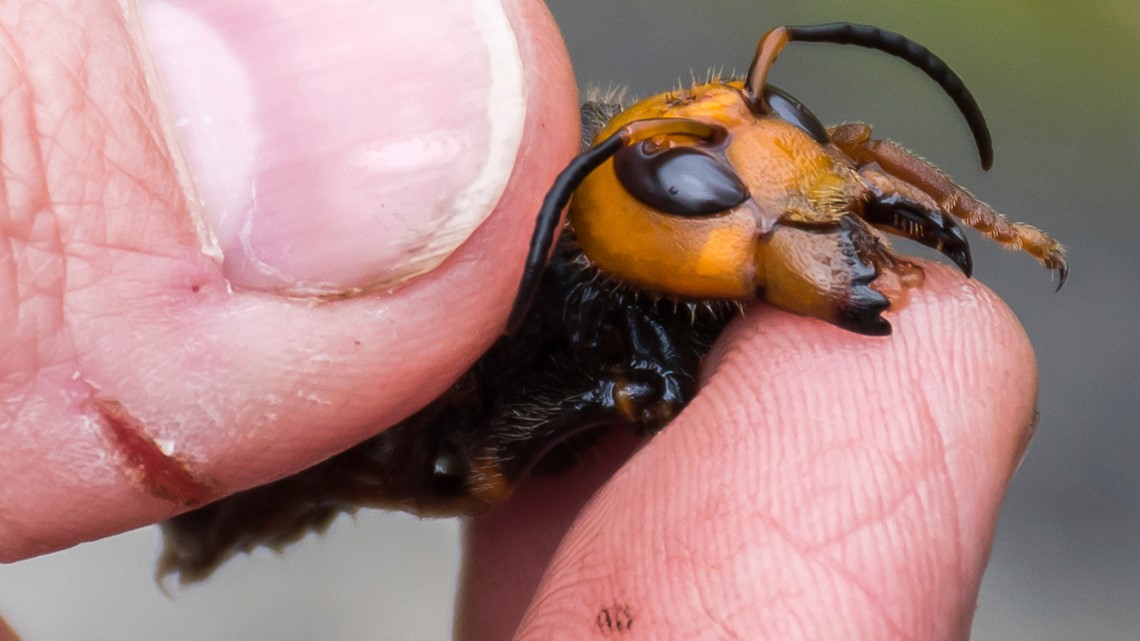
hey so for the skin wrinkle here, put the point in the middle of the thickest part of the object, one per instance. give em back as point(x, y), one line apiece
point(711, 615)
point(742, 602)
point(699, 591)
point(932, 480)
point(94, 130)
point(29, 229)
point(817, 555)
point(79, 202)
point(934, 476)
point(840, 572)
point(93, 244)
point(882, 510)
point(798, 622)
point(877, 516)
point(700, 565)
point(153, 139)
point(814, 552)
point(138, 185)
point(953, 504)
point(947, 477)
point(40, 259)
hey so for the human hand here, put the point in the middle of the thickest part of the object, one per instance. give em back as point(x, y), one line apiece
point(140, 376)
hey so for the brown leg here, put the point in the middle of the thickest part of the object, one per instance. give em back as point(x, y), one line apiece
point(855, 140)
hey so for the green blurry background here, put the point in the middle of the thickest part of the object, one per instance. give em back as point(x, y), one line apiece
point(1060, 85)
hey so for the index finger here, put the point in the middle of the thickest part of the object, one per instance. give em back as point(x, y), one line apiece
point(821, 485)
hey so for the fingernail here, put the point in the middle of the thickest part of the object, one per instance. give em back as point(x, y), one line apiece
point(339, 146)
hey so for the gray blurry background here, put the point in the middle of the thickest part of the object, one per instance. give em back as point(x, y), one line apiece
point(1060, 85)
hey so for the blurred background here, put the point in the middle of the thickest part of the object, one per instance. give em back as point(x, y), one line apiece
point(1060, 86)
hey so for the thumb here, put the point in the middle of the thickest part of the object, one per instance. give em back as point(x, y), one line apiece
point(822, 485)
point(308, 235)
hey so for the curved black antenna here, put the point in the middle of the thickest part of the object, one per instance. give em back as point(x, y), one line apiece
point(890, 42)
point(547, 223)
point(572, 176)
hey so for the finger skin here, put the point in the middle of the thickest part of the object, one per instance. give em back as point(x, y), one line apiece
point(822, 485)
point(6, 632)
point(136, 382)
point(507, 550)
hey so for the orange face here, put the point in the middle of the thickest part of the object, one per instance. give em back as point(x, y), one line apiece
point(735, 190)
point(766, 246)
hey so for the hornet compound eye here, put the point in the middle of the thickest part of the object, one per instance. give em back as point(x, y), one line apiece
point(787, 107)
point(683, 181)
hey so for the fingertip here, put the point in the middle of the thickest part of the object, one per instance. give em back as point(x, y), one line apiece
point(955, 343)
point(958, 367)
point(817, 471)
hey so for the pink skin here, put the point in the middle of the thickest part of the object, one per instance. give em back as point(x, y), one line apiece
point(823, 485)
point(105, 292)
